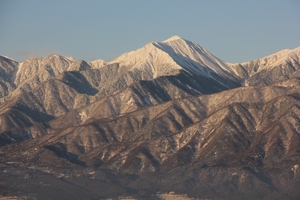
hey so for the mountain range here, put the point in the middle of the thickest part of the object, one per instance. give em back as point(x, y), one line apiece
point(169, 116)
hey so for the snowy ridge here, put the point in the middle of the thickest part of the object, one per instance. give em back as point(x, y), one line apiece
point(278, 58)
point(191, 53)
point(271, 61)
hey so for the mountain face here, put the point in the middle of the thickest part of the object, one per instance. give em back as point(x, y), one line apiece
point(169, 116)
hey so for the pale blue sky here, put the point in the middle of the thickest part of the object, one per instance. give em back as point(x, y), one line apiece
point(233, 30)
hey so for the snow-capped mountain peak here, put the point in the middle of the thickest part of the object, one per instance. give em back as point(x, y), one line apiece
point(173, 54)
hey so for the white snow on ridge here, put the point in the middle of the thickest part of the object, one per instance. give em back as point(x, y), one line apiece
point(278, 58)
point(271, 61)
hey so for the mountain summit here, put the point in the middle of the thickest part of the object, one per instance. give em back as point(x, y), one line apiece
point(175, 37)
point(174, 54)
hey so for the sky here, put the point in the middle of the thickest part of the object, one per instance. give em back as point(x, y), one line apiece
point(232, 30)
